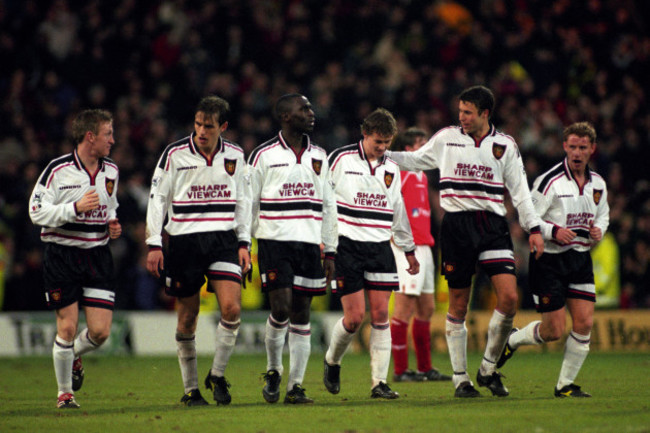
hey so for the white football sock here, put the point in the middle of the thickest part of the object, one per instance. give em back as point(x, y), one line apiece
point(276, 333)
point(380, 341)
point(339, 343)
point(498, 331)
point(186, 351)
point(63, 355)
point(299, 350)
point(225, 343)
point(575, 353)
point(528, 335)
point(84, 344)
point(456, 334)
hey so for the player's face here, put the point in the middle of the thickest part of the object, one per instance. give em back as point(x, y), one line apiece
point(207, 131)
point(302, 117)
point(103, 140)
point(578, 151)
point(472, 122)
point(375, 145)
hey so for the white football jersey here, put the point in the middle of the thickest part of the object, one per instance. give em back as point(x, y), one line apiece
point(369, 198)
point(52, 204)
point(474, 176)
point(292, 196)
point(199, 194)
point(562, 203)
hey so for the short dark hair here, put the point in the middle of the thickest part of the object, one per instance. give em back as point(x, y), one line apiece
point(380, 121)
point(284, 103)
point(480, 96)
point(215, 107)
point(89, 120)
point(407, 138)
point(581, 129)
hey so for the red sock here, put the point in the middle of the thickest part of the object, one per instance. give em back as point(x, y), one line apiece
point(422, 343)
point(398, 333)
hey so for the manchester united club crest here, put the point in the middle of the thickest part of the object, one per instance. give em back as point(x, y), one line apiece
point(272, 275)
point(449, 268)
point(110, 186)
point(338, 285)
point(598, 193)
point(498, 150)
point(316, 164)
point(388, 179)
point(546, 300)
point(230, 165)
point(55, 295)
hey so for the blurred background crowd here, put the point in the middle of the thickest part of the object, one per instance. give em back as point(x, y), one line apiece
point(549, 62)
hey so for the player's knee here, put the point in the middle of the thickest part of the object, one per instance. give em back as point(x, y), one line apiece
point(379, 316)
point(425, 313)
point(458, 310)
point(231, 312)
point(583, 326)
point(187, 323)
point(508, 303)
point(280, 312)
point(99, 336)
point(353, 322)
point(67, 331)
point(552, 333)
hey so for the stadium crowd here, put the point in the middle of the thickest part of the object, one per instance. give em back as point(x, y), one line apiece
point(550, 63)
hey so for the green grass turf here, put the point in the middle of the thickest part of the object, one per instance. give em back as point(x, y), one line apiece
point(126, 394)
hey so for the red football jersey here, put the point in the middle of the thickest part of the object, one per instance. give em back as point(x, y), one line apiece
point(415, 190)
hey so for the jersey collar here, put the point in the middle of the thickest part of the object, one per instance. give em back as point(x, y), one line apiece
point(306, 142)
point(364, 157)
point(194, 148)
point(569, 175)
point(80, 166)
point(491, 133)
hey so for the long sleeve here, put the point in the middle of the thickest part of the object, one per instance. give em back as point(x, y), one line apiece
point(256, 178)
point(602, 213)
point(402, 235)
point(517, 185)
point(44, 209)
point(542, 204)
point(159, 200)
point(425, 158)
point(113, 204)
point(329, 229)
point(243, 207)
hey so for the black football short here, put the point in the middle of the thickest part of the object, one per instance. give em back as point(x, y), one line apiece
point(78, 275)
point(364, 265)
point(556, 277)
point(193, 257)
point(468, 238)
point(296, 265)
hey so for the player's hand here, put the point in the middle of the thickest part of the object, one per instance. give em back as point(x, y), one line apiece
point(114, 228)
point(329, 267)
point(564, 236)
point(246, 265)
point(155, 262)
point(536, 244)
point(90, 201)
point(594, 232)
point(414, 265)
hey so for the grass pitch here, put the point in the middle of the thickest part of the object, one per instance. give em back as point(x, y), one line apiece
point(126, 394)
